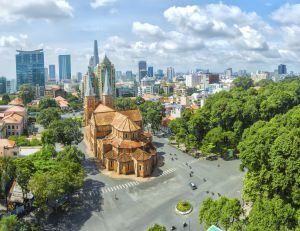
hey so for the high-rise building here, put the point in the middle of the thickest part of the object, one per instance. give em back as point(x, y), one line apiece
point(282, 69)
point(96, 55)
point(46, 74)
point(170, 74)
point(2, 85)
point(150, 71)
point(30, 68)
point(228, 72)
point(142, 70)
point(64, 62)
point(52, 72)
point(129, 76)
point(105, 67)
point(118, 75)
point(79, 76)
point(160, 74)
point(11, 86)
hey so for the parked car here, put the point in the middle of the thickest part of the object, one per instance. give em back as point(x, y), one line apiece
point(193, 186)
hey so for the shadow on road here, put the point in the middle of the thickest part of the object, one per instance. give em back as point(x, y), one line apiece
point(158, 144)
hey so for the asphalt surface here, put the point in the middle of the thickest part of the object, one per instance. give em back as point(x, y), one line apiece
point(121, 204)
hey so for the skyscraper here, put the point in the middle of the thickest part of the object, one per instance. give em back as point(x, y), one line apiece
point(150, 71)
point(46, 74)
point(142, 70)
point(2, 85)
point(30, 68)
point(52, 72)
point(282, 69)
point(64, 62)
point(96, 55)
point(170, 74)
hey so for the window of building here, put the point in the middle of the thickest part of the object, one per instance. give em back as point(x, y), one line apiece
point(111, 164)
point(140, 167)
point(13, 127)
point(13, 133)
point(8, 126)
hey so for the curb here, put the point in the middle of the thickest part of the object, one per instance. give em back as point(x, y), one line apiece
point(183, 213)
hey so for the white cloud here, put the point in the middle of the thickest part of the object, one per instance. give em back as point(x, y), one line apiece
point(12, 41)
point(146, 30)
point(212, 20)
point(251, 39)
point(291, 37)
point(13, 10)
point(287, 14)
point(101, 3)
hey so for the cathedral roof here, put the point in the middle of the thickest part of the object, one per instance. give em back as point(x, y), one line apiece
point(141, 155)
point(104, 118)
point(135, 114)
point(103, 108)
point(123, 123)
point(124, 158)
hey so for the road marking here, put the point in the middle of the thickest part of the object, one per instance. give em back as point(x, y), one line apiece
point(131, 184)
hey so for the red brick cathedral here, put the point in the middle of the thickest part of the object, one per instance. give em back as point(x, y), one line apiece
point(116, 138)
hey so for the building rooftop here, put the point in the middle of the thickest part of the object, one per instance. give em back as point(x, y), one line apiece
point(7, 143)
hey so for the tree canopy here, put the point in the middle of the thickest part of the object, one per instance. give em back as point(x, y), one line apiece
point(47, 103)
point(26, 93)
point(218, 126)
point(48, 115)
point(157, 227)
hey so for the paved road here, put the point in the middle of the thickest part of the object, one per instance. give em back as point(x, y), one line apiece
point(112, 205)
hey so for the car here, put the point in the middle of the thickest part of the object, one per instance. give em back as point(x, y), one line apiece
point(173, 227)
point(193, 186)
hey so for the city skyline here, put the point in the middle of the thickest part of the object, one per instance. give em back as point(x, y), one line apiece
point(183, 34)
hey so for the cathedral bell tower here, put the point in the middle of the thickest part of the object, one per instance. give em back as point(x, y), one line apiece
point(107, 97)
point(89, 99)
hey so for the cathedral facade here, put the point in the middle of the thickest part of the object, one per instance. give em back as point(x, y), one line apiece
point(115, 137)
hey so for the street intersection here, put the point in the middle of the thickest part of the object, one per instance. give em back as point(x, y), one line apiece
point(111, 204)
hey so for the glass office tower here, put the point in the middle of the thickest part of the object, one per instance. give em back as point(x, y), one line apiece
point(64, 62)
point(30, 68)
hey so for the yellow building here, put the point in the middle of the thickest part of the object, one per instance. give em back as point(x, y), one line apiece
point(117, 138)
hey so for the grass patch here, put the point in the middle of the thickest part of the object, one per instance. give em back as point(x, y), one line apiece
point(183, 206)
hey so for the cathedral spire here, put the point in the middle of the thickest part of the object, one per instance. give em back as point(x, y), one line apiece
point(89, 90)
point(107, 86)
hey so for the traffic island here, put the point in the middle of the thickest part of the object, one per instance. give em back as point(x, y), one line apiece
point(183, 207)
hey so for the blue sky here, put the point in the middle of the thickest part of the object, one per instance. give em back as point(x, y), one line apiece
point(252, 35)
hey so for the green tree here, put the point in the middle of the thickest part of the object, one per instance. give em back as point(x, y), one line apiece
point(272, 214)
point(48, 137)
point(47, 103)
point(9, 223)
point(6, 98)
point(223, 212)
point(157, 227)
point(26, 93)
point(48, 115)
point(24, 171)
point(124, 104)
point(152, 113)
point(243, 82)
point(66, 131)
point(71, 153)
point(7, 172)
